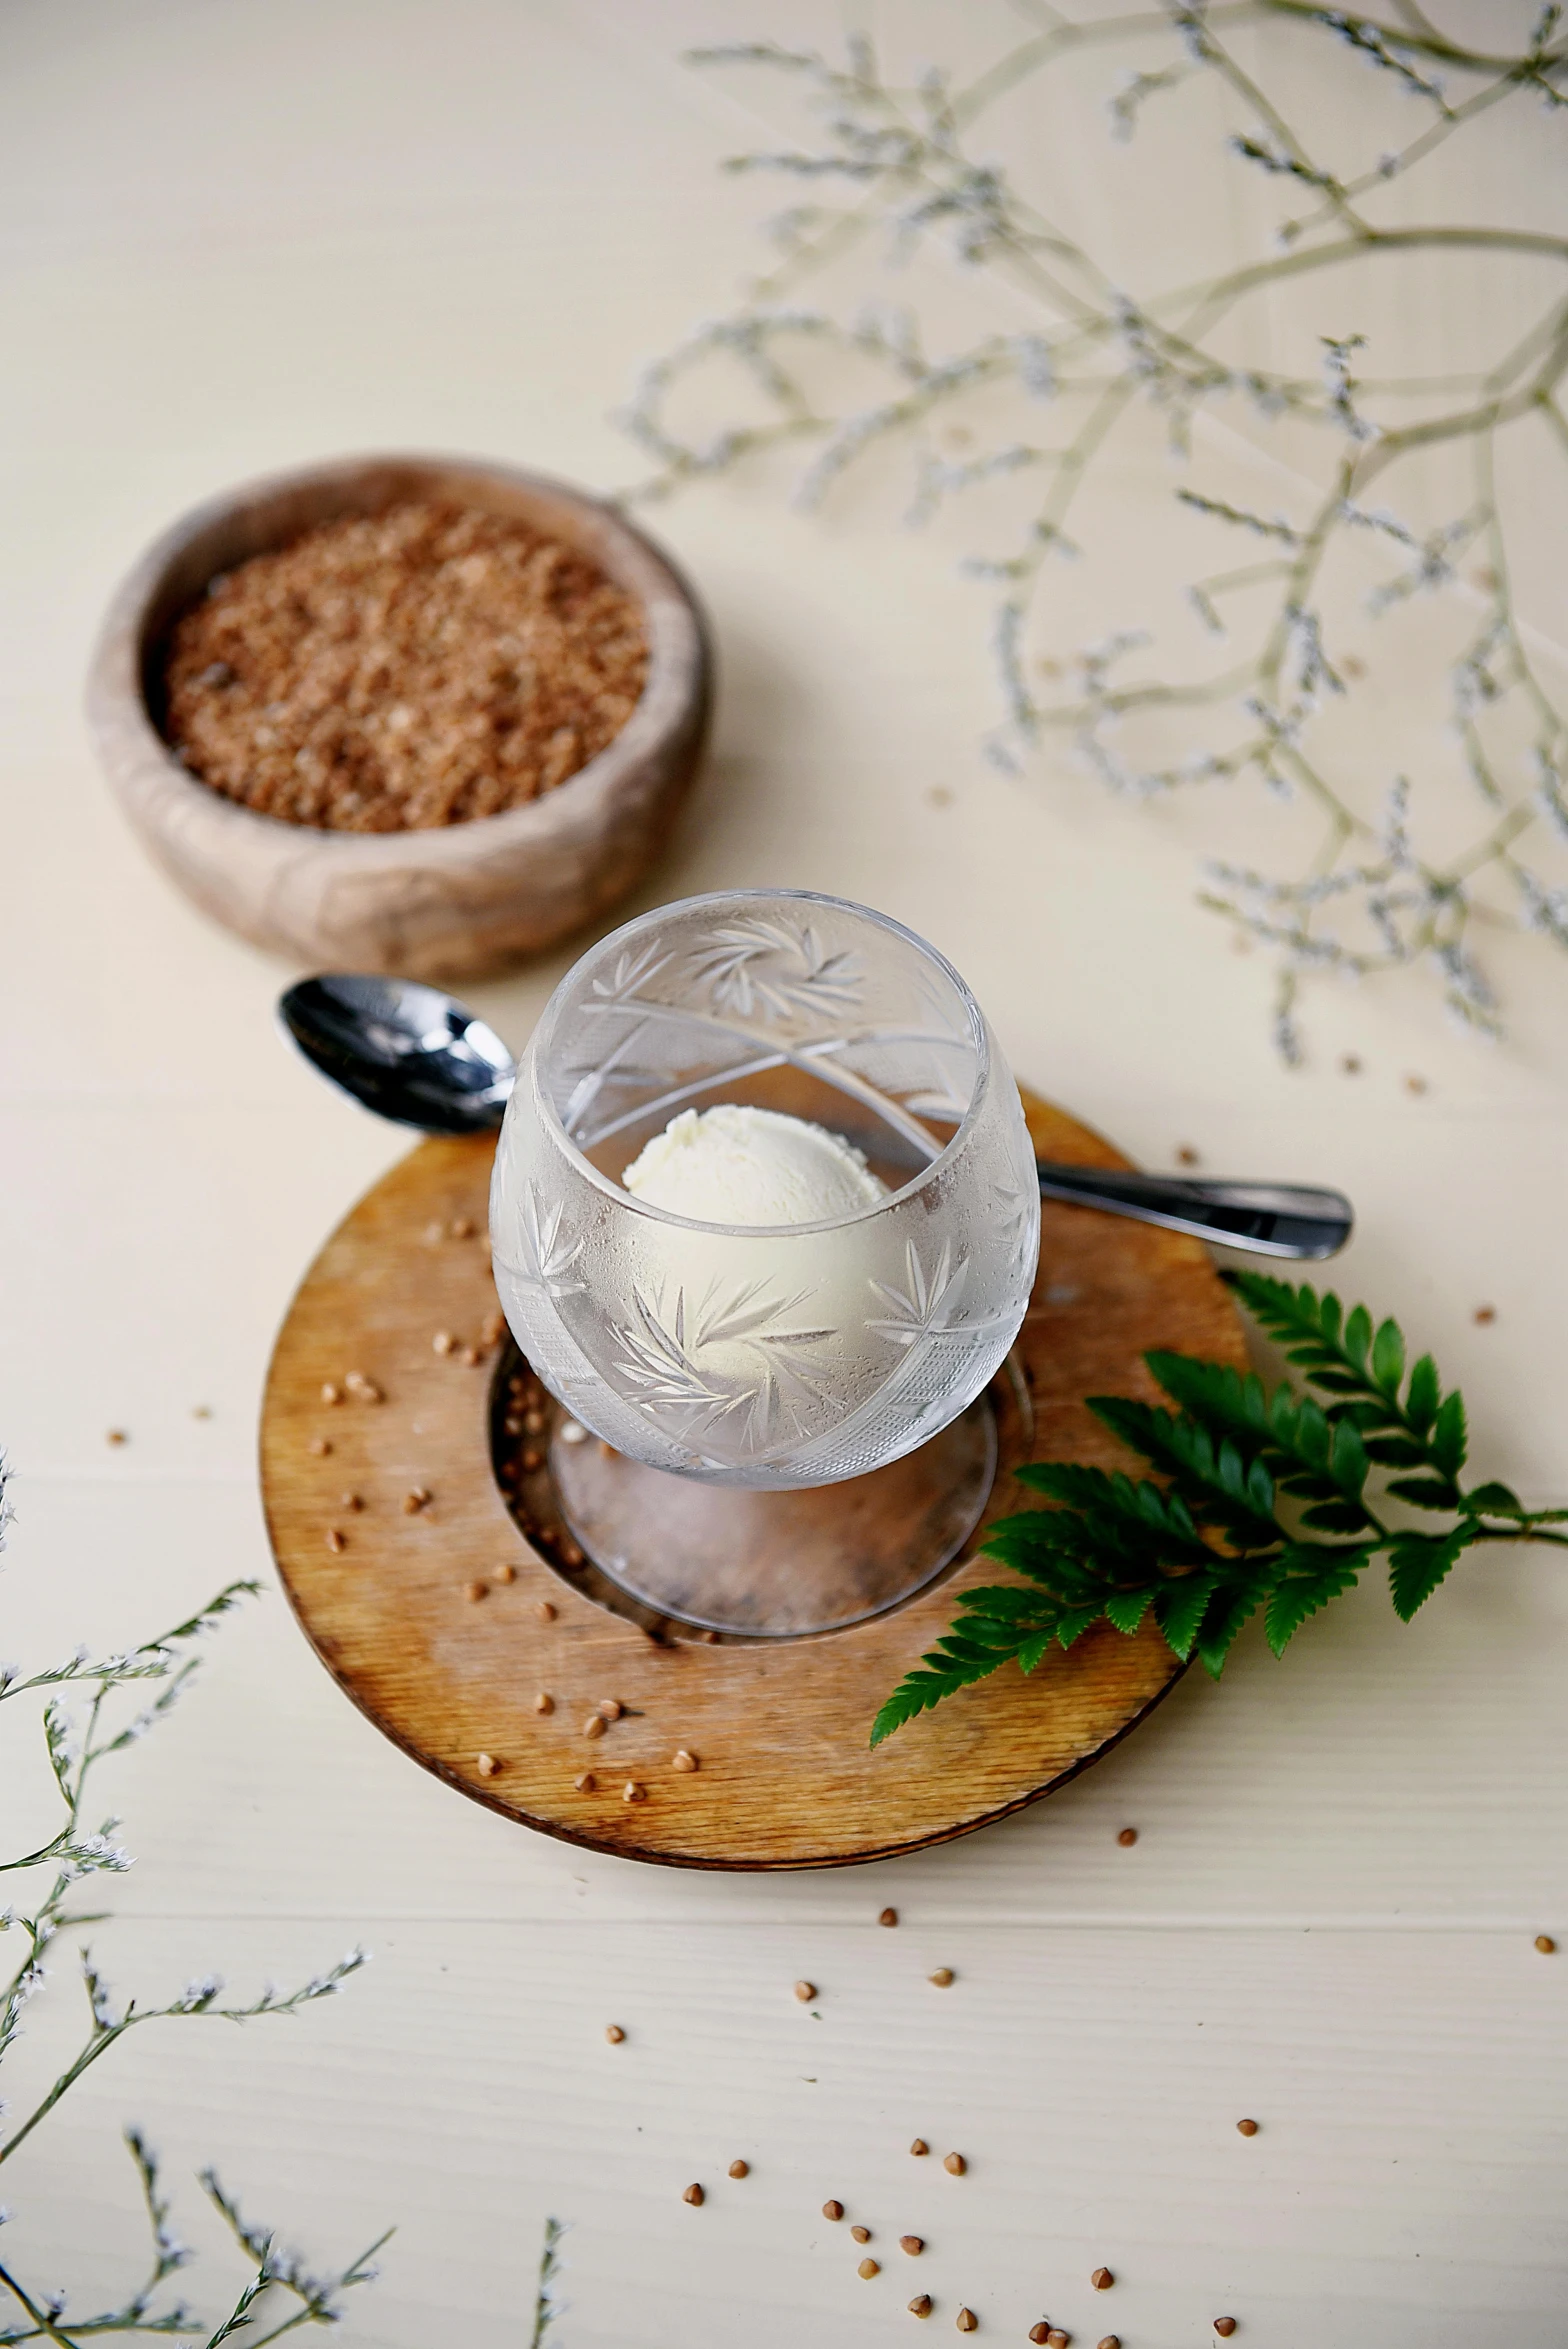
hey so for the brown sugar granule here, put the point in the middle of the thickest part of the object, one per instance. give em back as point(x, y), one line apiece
point(1248, 2128)
point(695, 2196)
point(403, 670)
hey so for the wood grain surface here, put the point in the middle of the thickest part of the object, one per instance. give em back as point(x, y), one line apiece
point(459, 901)
point(462, 1640)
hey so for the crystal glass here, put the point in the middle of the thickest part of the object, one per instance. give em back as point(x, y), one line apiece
point(769, 1358)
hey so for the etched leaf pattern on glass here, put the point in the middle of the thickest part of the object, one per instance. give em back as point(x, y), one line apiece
point(550, 1258)
point(661, 1359)
point(772, 968)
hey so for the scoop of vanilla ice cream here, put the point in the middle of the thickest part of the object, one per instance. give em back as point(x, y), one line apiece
point(739, 1165)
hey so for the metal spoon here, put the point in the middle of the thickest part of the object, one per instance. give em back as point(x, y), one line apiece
point(420, 1058)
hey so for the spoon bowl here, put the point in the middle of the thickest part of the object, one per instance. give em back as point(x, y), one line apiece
point(406, 1051)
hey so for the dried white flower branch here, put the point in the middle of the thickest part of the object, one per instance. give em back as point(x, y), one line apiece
point(1369, 899)
point(72, 1854)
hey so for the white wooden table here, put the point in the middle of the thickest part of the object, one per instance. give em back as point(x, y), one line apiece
point(237, 235)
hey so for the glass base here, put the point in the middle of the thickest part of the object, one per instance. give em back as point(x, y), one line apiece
point(777, 1565)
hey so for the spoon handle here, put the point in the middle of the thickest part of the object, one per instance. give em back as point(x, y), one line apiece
point(1266, 1219)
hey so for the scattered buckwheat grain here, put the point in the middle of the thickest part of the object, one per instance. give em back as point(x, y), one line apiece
point(336, 1542)
point(695, 2196)
point(1545, 1944)
point(475, 1590)
point(888, 1917)
point(868, 2268)
point(832, 2210)
point(684, 1761)
point(740, 2169)
point(913, 2244)
point(805, 1992)
point(1248, 2128)
point(921, 2304)
point(1224, 2326)
point(1127, 1838)
point(1102, 2279)
point(968, 2322)
point(954, 2164)
point(544, 1702)
point(614, 2034)
point(544, 1611)
point(861, 2234)
point(944, 1977)
point(487, 1765)
point(919, 2146)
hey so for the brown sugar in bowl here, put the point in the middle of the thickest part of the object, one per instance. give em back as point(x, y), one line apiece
point(452, 902)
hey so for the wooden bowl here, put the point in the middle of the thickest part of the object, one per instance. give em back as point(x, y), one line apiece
point(452, 903)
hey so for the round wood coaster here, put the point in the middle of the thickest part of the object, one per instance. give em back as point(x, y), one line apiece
point(485, 1651)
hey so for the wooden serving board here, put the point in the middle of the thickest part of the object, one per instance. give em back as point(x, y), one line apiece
point(449, 1627)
